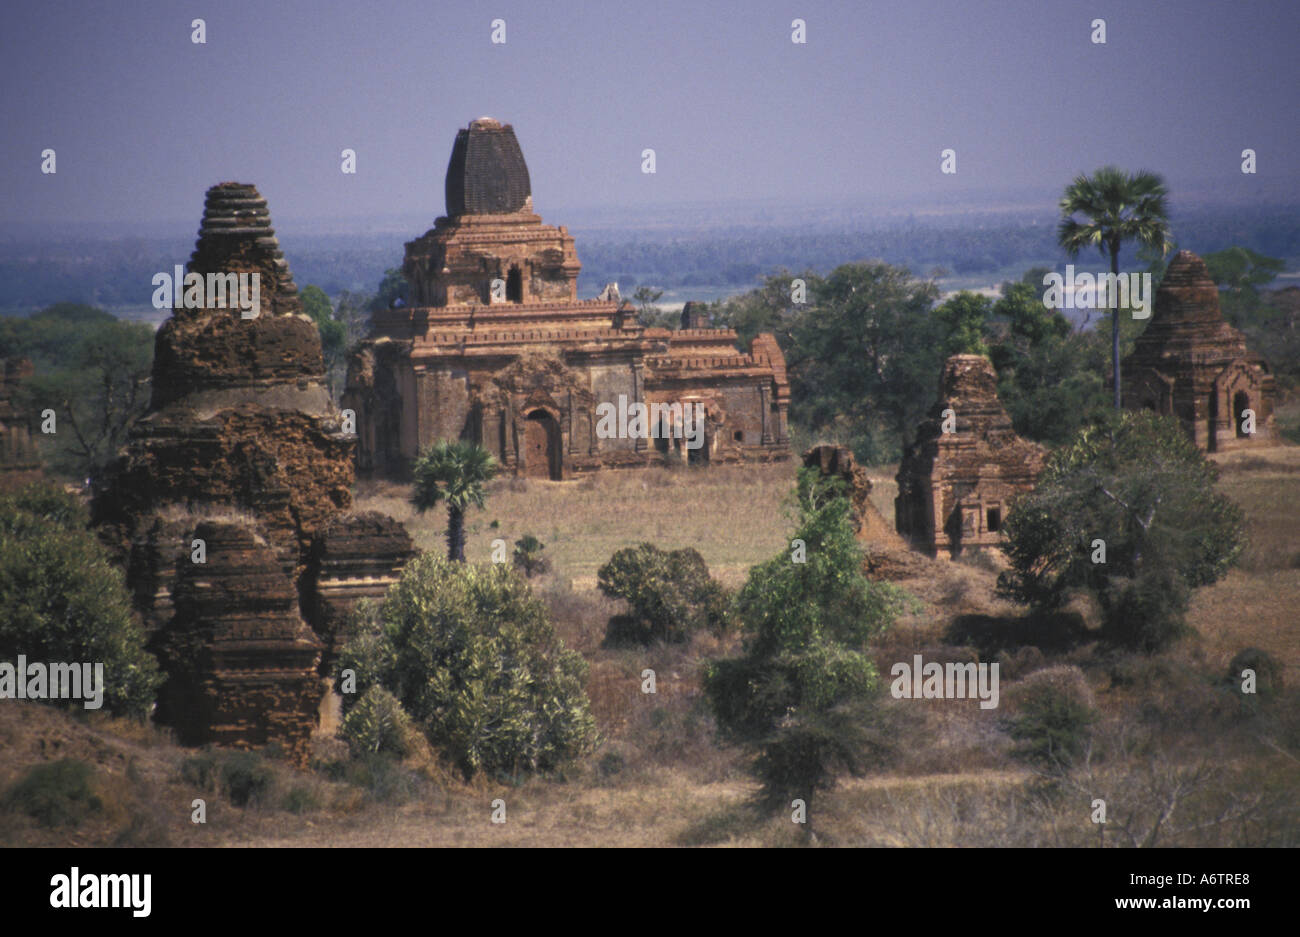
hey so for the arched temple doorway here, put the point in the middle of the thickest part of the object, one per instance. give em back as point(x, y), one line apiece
point(514, 286)
point(1240, 403)
point(542, 447)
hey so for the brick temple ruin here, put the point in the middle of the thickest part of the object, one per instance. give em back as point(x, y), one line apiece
point(954, 488)
point(886, 555)
point(1191, 364)
point(243, 449)
point(496, 347)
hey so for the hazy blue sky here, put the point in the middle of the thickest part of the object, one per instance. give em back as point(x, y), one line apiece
point(143, 120)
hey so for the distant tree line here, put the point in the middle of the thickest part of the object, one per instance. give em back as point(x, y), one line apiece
point(92, 370)
point(866, 348)
point(118, 272)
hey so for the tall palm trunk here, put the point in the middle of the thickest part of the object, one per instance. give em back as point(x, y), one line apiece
point(1114, 323)
point(455, 533)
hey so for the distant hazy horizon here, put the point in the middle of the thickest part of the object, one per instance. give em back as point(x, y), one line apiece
point(1035, 206)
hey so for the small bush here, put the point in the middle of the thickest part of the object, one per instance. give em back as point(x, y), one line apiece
point(670, 594)
point(1021, 662)
point(1053, 712)
point(243, 778)
point(1145, 613)
point(378, 723)
point(300, 800)
point(56, 794)
point(378, 773)
point(246, 779)
point(611, 763)
point(366, 653)
point(201, 770)
point(1268, 671)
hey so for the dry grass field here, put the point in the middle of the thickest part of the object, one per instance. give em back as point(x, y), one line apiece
point(732, 514)
point(659, 777)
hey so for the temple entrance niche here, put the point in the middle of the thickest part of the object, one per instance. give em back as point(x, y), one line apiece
point(700, 454)
point(542, 455)
point(954, 529)
point(1240, 404)
point(514, 286)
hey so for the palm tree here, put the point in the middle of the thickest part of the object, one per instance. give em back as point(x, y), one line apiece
point(1120, 207)
point(528, 555)
point(453, 472)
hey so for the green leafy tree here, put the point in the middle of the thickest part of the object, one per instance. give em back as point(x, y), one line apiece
point(1242, 274)
point(864, 359)
point(770, 308)
point(61, 599)
point(650, 315)
point(1138, 488)
point(471, 656)
point(1240, 268)
point(1118, 207)
point(963, 321)
point(93, 371)
point(454, 472)
point(353, 311)
point(669, 592)
point(799, 694)
point(392, 287)
point(645, 297)
point(333, 334)
point(1048, 374)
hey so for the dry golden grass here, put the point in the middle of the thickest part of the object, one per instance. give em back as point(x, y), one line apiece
point(732, 514)
point(1258, 604)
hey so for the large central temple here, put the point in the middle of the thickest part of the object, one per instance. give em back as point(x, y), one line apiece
point(496, 347)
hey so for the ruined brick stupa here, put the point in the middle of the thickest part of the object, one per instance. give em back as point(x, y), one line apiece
point(242, 443)
point(954, 488)
point(1192, 365)
point(887, 555)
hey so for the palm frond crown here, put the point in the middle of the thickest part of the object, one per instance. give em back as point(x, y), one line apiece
point(1118, 207)
point(452, 471)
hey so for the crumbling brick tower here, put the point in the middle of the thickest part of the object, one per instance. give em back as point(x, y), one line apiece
point(954, 487)
point(1191, 364)
point(243, 449)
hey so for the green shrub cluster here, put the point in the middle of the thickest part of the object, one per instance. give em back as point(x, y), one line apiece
point(61, 599)
point(56, 794)
point(469, 653)
point(1053, 714)
point(669, 592)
